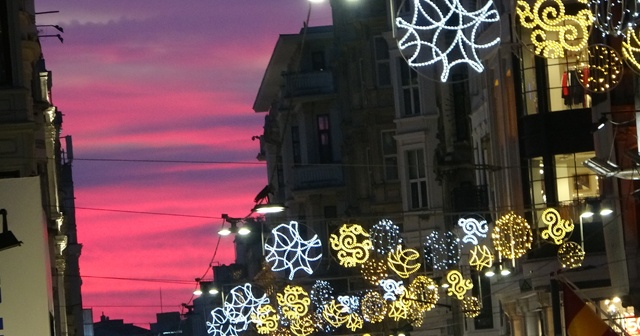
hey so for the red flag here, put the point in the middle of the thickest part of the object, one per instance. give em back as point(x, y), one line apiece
point(580, 319)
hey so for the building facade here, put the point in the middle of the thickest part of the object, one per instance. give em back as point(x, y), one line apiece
point(35, 170)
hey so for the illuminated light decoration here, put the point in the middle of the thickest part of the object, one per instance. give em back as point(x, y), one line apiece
point(399, 309)
point(266, 319)
point(570, 255)
point(471, 306)
point(473, 228)
point(374, 307)
point(442, 251)
point(446, 36)
point(631, 50)
point(352, 245)
point(403, 261)
point(354, 322)
point(220, 325)
point(385, 237)
point(352, 302)
point(289, 252)
point(392, 289)
point(512, 236)
point(481, 257)
point(423, 293)
point(321, 293)
point(600, 68)
point(614, 17)
point(458, 285)
point(416, 317)
point(553, 31)
point(321, 324)
point(241, 304)
point(557, 228)
point(282, 331)
point(374, 270)
point(335, 313)
point(303, 326)
point(294, 302)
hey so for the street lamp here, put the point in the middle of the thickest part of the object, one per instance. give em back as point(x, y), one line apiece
point(243, 231)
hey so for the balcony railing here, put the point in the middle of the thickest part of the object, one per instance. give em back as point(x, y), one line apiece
point(320, 176)
point(311, 83)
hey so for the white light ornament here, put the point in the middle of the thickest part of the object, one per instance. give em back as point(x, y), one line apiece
point(241, 303)
point(385, 237)
point(614, 17)
point(290, 253)
point(445, 34)
point(392, 289)
point(474, 229)
point(442, 250)
point(220, 325)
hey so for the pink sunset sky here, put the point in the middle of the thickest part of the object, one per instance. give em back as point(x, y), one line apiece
point(157, 96)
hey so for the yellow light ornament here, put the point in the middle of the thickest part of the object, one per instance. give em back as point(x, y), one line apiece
point(266, 319)
point(512, 236)
point(399, 309)
point(335, 313)
point(374, 307)
point(294, 302)
point(557, 228)
point(570, 255)
point(374, 269)
point(631, 50)
point(481, 257)
point(423, 293)
point(303, 326)
point(599, 68)
point(352, 245)
point(553, 31)
point(458, 285)
point(354, 322)
point(403, 261)
point(471, 306)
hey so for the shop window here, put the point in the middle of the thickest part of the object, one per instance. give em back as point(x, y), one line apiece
point(389, 155)
point(417, 178)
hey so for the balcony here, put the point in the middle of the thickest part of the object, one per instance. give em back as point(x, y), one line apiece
point(314, 177)
point(309, 84)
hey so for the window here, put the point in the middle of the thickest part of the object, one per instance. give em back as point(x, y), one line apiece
point(383, 73)
point(417, 178)
point(317, 61)
point(295, 145)
point(5, 48)
point(410, 98)
point(324, 139)
point(389, 155)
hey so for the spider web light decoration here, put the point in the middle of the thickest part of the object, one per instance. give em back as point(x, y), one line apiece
point(289, 252)
point(385, 237)
point(557, 228)
point(442, 251)
point(447, 33)
point(220, 325)
point(473, 228)
point(241, 304)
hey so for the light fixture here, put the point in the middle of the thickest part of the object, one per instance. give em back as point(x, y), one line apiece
point(7, 238)
point(602, 167)
point(243, 231)
point(587, 213)
point(264, 204)
point(208, 287)
point(605, 212)
point(598, 125)
point(490, 272)
point(60, 29)
point(504, 270)
point(54, 35)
